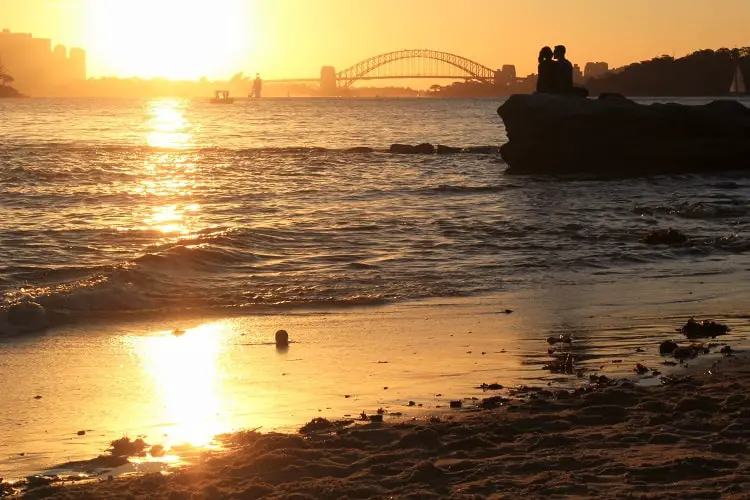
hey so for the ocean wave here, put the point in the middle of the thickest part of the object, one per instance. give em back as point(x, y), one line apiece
point(698, 210)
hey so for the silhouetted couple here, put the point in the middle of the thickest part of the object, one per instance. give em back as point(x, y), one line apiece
point(556, 73)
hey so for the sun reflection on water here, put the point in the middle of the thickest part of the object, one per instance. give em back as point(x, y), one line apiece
point(168, 126)
point(186, 375)
point(170, 171)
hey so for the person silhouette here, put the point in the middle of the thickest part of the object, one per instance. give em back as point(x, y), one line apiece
point(564, 71)
point(547, 74)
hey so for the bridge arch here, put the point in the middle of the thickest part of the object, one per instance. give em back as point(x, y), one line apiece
point(363, 69)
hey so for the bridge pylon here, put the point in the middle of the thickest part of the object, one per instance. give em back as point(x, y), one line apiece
point(328, 85)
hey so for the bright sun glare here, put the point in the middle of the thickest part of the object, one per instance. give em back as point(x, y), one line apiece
point(177, 39)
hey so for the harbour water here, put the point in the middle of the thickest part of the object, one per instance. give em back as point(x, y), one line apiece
point(127, 219)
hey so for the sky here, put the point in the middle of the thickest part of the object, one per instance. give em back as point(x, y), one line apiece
point(294, 38)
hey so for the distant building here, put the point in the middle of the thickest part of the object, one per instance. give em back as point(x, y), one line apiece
point(505, 76)
point(595, 70)
point(577, 74)
point(36, 67)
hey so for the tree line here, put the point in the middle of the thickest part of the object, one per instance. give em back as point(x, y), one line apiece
point(702, 73)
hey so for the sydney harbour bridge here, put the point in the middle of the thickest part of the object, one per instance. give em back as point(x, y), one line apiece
point(407, 64)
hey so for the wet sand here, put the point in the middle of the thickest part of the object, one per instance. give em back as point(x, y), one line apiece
point(137, 379)
point(687, 439)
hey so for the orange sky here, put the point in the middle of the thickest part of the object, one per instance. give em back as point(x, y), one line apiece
point(294, 38)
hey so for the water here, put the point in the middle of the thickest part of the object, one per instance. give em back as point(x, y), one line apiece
point(126, 218)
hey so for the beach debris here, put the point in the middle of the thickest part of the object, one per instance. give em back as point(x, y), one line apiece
point(655, 373)
point(706, 328)
point(376, 419)
point(562, 364)
point(385, 388)
point(282, 338)
point(456, 403)
point(320, 424)
point(347, 396)
point(490, 387)
point(641, 369)
point(124, 447)
point(664, 237)
point(508, 311)
point(668, 347)
point(600, 380)
point(380, 411)
point(81, 433)
point(412, 403)
point(178, 332)
point(562, 339)
point(675, 379)
point(37, 397)
point(493, 402)
point(726, 350)
point(670, 363)
point(157, 451)
point(40, 481)
point(640, 349)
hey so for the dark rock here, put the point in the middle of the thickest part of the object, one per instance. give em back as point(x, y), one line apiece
point(667, 347)
point(482, 150)
point(456, 403)
point(695, 330)
point(124, 447)
point(665, 237)
point(424, 149)
point(407, 149)
point(726, 350)
point(360, 149)
point(447, 150)
point(81, 433)
point(282, 338)
point(376, 418)
point(550, 134)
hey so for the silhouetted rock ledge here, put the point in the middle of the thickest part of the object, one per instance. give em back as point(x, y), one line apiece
point(551, 134)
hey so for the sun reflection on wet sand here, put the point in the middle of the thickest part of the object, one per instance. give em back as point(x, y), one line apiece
point(186, 374)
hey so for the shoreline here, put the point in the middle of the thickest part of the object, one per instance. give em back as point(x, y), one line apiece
point(346, 361)
point(685, 439)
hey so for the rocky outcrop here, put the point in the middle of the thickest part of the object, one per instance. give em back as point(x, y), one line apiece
point(551, 134)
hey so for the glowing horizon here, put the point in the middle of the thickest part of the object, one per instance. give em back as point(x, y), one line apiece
point(190, 39)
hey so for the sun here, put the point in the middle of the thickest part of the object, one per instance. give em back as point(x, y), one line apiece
point(176, 39)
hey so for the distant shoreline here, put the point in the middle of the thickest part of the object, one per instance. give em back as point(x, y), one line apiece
point(9, 93)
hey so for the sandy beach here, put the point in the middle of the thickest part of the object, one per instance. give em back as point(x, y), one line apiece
point(684, 439)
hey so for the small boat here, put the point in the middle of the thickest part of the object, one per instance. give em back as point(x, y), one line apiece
point(222, 97)
point(738, 86)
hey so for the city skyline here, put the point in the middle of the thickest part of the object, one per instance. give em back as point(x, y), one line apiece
point(288, 38)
